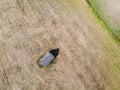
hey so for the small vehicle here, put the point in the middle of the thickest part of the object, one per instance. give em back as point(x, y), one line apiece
point(49, 57)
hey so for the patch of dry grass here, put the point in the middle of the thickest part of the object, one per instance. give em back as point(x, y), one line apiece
point(85, 61)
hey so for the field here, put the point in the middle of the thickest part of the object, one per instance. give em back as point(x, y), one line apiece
point(89, 57)
point(109, 12)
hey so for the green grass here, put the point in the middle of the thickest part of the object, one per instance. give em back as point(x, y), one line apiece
point(96, 9)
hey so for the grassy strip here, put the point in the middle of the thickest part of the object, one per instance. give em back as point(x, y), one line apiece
point(95, 10)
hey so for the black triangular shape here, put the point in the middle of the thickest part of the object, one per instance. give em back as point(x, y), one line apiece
point(54, 52)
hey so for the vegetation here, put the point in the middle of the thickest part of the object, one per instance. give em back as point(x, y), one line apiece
point(95, 6)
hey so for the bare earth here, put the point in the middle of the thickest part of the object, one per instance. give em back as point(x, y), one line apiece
point(88, 60)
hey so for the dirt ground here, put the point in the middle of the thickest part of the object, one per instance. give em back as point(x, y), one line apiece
point(88, 60)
